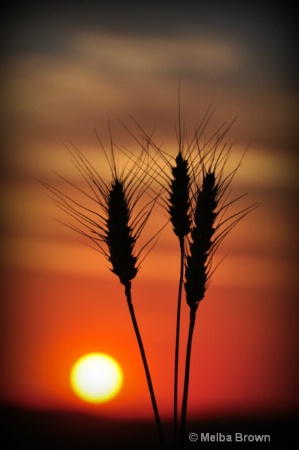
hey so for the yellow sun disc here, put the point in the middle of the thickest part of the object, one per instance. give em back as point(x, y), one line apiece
point(96, 378)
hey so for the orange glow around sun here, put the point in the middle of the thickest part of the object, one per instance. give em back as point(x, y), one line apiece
point(96, 378)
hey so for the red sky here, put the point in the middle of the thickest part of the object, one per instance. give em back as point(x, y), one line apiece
point(63, 77)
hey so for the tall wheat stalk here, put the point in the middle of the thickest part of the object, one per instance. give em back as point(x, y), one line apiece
point(172, 174)
point(114, 226)
point(211, 222)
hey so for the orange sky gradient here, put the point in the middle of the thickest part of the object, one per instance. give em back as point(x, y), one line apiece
point(64, 76)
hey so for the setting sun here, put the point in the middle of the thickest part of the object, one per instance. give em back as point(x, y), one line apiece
point(96, 378)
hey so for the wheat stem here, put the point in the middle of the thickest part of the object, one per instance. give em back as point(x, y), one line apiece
point(179, 216)
point(187, 376)
point(145, 364)
point(177, 343)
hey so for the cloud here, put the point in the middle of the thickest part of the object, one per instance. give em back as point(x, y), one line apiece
point(193, 54)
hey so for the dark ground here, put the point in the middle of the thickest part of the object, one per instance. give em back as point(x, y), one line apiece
point(45, 430)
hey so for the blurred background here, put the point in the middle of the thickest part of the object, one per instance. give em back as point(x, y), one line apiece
point(68, 67)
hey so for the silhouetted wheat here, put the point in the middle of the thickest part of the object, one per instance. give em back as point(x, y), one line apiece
point(179, 197)
point(179, 213)
point(172, 174)
point(202, 232)
point(112, 227)
point(210, 224)
point(119, 234)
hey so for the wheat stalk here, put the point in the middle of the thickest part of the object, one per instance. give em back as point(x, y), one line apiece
point(180, 219)
point(114, 227)
point(172, 174)
point(210, 224)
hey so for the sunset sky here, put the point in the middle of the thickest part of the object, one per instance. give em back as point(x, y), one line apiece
point(66, 70)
